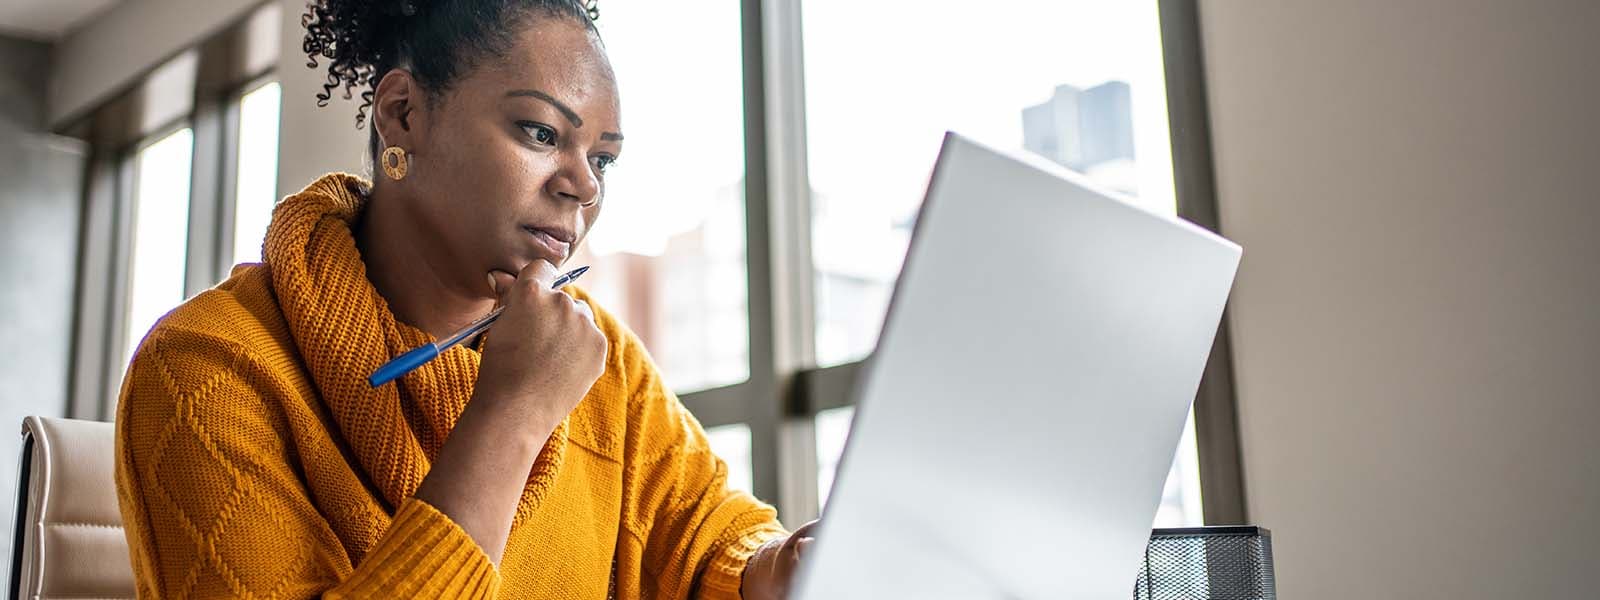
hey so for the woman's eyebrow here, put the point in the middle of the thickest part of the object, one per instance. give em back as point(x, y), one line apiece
point(570, 114)
point(567, 112)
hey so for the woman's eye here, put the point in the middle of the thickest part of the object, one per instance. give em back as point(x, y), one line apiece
point(539, 133)
point(604, 162)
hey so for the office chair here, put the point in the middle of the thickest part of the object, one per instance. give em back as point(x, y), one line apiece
point(69, 541)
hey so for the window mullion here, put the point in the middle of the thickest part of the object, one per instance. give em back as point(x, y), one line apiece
point(93, 325)
point(789, 189)
point(718, 406)
point(227, 192)
point(205, 195)
point(122, 226)
point(1215, 404)
point(794, 347)
point(777, 216)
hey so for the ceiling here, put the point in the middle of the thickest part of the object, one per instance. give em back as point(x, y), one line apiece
point(47, 20)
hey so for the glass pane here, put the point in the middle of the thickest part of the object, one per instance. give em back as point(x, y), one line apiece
point(1079, 81)
point(732, 444)
point(160, 233)
point(1180, 497)
point(668, 252)
point(832, 427)
point(256, 191)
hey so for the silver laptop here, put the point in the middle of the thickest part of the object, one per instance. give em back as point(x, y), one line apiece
point(1016, 424)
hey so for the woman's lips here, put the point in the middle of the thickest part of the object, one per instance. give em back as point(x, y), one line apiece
point(555, 248)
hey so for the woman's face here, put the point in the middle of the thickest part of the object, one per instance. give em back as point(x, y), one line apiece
point(509, 163)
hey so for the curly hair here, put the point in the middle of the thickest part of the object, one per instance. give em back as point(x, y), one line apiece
point(438, 40)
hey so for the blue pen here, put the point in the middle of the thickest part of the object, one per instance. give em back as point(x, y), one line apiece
point(405, 363)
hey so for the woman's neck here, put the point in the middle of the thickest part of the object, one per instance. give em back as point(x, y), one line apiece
point(409, 273)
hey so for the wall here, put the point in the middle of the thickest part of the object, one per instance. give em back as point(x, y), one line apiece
point(1416, 323)
point(312, 141)
point(39, 190)
point(105, 55)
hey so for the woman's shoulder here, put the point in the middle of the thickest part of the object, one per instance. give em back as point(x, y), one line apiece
point(220, 359)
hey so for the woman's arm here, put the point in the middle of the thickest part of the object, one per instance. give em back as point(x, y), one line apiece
point(213, 500)
point(543, 357)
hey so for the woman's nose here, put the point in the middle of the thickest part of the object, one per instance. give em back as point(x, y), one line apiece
point(575, 181)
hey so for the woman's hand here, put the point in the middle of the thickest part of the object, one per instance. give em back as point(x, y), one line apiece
point(545, 348)
point(538, 365)
point(771, 569)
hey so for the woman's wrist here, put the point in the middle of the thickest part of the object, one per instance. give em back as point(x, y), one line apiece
point(526, 415)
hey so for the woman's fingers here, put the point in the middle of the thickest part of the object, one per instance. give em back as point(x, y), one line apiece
point(807, 530)
point(800, 534)
point(539, 271)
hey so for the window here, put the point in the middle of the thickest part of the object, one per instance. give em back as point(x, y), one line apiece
point(1180, 497)
point(669, 249)
point(160, 233)
point(832, 428)
point(1080, 82)
point(668, 252)
point(179, 183)
point(255, 189)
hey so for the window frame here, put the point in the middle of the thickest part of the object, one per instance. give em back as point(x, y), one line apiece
point(1194, 182)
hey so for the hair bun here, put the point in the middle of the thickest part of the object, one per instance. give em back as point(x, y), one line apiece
point(361, 40)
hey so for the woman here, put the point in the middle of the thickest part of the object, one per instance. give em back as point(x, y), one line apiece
point(545, 460)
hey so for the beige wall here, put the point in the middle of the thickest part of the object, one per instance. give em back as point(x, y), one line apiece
point(1417, 320)
point(311, 140)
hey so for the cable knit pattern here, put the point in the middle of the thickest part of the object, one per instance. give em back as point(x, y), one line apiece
point(253, 460)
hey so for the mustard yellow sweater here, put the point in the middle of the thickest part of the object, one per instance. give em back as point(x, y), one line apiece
point(254, 461)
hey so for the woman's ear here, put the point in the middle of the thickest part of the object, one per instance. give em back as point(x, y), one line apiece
point(396, 111)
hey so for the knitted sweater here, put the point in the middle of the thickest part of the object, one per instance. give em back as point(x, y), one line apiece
point(254, 460)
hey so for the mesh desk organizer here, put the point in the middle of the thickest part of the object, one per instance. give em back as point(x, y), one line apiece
point(1207, 563)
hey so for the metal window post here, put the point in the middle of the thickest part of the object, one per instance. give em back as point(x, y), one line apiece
point(778, 227)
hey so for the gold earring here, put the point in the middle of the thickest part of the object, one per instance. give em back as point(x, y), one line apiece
point(397, 170)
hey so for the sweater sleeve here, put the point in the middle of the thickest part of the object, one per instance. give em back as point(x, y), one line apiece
point(694, 533)
point(213, 503)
